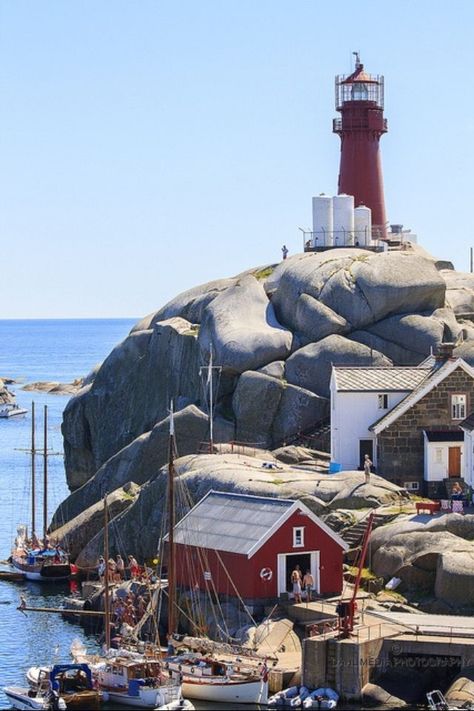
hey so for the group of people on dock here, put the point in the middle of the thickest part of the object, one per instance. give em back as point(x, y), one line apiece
point(302, 582)
point(130, 609)
point(117, 570)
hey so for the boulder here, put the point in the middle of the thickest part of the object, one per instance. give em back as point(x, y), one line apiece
point(396, 353)
point(241, 327)
point(461, 691)
point(255, 403)
point(310, 366)
point(189, 305)
point(131, 392)
point(299, 411)
point(315, 320)
point(275, 369)
point(459, 291)
point(141, 459)
point(454, 579)
point(359, 286)
point(75, 534)
point(421, 333)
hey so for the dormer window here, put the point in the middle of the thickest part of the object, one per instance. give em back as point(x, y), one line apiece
point(298, 537)
point(383, 401)
point(458, 407)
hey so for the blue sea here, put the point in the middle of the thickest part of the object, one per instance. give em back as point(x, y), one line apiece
point(31, 351)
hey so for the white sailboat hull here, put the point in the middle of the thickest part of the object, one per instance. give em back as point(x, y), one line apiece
point(226, 692)
point(147, 698)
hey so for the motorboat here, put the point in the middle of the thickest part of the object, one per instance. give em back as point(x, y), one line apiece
point(25, 698)
point(72, 682)
point(12, 409)
point(142, 684)
point(208, 679)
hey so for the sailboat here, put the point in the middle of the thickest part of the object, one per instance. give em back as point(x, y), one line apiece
point(130, 679)
point(38, 559)
point(204, 677)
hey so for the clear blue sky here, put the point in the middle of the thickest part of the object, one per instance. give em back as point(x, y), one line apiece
point(149, 146)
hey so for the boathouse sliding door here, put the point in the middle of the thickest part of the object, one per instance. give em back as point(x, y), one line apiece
point(287, 562)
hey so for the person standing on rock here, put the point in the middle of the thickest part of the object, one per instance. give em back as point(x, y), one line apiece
point(284, 251)
point(367, 468)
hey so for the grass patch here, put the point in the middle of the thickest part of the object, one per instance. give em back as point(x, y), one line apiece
point(265, 272)
point(366, 573)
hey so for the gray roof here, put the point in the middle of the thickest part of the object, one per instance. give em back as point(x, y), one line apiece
point(468, 423)
point(230, 522)
point(379, 378)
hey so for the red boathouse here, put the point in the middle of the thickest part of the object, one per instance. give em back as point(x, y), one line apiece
point(237, 544)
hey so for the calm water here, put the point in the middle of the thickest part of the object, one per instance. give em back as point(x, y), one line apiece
point(32, 351)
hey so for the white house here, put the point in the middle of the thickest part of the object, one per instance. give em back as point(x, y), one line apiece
point(409, 420)
point(468, 426)
point(360, 396)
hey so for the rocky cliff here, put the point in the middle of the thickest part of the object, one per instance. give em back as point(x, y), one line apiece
point(275, 331)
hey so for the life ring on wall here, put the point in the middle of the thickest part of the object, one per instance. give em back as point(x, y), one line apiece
point(266, 574)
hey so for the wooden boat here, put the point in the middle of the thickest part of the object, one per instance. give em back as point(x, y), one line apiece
point(142, 684)
point(205, 679)
point(210, 680)
point(39, 560)
point(72, 682)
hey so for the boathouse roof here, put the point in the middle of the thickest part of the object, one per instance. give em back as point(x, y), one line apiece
point(239, 523)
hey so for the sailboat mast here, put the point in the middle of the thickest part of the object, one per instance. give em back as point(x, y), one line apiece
point(211, 407)
point(106, 574)
point(171, 519)
point(33, 472)
point(45, 472)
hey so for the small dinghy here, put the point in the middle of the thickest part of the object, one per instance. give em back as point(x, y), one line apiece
point(294, 697)
point(322, 698)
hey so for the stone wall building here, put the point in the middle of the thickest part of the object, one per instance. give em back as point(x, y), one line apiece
point(420, 441)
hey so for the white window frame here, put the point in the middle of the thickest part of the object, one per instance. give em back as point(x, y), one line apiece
point(439, 455)
point(383, 403)
point(298, 531)
point(458, 406)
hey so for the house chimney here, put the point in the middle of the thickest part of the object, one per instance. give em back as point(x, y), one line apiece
point(445, 352)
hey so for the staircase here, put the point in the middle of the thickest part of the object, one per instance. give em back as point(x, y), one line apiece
point(354, 534)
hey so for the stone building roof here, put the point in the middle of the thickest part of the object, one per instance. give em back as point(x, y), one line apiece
point(435, 378)
point(468, 423)
point(379, 379)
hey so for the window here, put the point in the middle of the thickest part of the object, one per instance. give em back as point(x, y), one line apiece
point(458, 407)
point(383, 401)
point(438, 455)
point(298, 537)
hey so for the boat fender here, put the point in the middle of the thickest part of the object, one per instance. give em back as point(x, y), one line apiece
point(179, 667)
point(192, 670)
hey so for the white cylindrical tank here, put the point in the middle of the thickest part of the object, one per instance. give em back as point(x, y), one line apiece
point(322, 221)
point(343, 220)
point(363, 226)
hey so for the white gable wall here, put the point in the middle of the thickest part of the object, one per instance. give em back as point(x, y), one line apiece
point(437, 459)
point(352, 413)
point(468, 458)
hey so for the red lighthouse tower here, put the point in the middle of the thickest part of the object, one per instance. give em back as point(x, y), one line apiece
point(359, 98)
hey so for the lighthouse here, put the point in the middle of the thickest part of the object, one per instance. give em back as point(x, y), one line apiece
point(360, 101)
